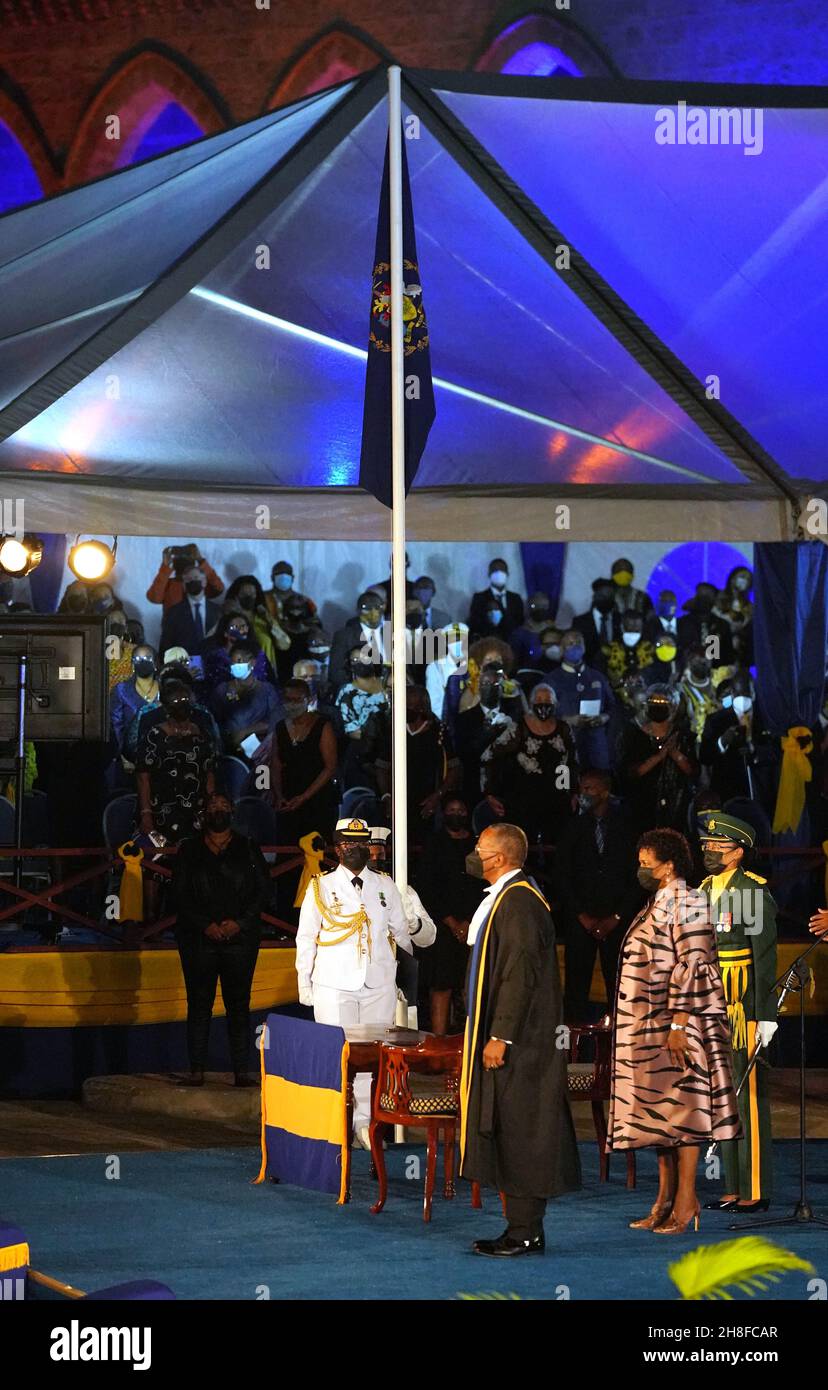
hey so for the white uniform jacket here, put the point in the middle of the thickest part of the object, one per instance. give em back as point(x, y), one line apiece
point(358, 952)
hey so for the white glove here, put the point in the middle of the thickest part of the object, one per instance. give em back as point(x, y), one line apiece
point(764, 1033)
point(306, 996)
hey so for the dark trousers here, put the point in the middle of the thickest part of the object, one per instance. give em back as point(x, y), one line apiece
point(524, 1216)
point(205, 963)
point(579, 960)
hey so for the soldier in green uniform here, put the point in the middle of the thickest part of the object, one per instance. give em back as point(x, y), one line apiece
point(744, 916)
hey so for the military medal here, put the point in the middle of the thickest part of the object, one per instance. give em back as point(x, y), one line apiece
point(725, 922)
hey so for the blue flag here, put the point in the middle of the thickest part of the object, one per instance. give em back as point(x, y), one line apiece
point(375, 460)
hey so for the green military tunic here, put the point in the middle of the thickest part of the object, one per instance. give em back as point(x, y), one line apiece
point(744, 916)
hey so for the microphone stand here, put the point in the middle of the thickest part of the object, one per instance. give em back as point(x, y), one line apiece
point(793, 980)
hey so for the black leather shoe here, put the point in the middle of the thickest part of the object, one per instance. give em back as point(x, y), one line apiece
point(761, 1205)
point(506, 1247)
point(719, 1205)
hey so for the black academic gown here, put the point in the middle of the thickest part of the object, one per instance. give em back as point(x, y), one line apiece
point(518, 1135)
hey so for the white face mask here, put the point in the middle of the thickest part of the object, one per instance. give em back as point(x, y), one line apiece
point(741, 583)
point(727, 701)
point(456, 650)
point(631, 639)
point(742, 704)
point(498, 578)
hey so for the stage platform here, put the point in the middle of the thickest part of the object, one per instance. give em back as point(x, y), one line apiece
point(193, 1220)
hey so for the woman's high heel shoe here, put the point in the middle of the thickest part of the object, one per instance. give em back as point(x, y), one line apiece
point(673, 1227)
point(721, 1204)
point(655, 1218)
point(747, 1210)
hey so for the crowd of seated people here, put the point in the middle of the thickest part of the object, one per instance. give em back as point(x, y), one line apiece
point(632, 715)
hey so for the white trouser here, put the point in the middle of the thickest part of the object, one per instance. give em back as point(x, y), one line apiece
point(347, 1007)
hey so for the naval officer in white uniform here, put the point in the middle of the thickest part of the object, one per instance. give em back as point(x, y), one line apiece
point(345, 961)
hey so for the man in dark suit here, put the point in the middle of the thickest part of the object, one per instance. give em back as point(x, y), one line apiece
point(600, 625)
point(700, 627)
point(736, 752)
point(496, 611)
point(186, 624)
point(363, 630)
point(516, 1132)
point(598, 890)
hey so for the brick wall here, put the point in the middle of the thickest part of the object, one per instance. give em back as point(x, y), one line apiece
point(61, 68)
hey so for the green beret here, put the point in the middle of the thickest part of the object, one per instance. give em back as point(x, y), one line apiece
point(718, 825)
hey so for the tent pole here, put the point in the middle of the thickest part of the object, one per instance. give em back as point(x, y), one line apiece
point(399, 800)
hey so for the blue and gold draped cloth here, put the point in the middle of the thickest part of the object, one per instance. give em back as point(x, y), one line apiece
point(477, 972)
point(304, 1117)
point(14, 1262)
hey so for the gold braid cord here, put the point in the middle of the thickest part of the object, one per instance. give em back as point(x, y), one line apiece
point(346, 926)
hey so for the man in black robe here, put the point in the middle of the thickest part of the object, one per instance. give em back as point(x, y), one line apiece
point(517, 1134)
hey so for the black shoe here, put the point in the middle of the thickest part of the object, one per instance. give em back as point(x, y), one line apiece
point(506, 1247)
point(761, 1205)
point(719, 1205)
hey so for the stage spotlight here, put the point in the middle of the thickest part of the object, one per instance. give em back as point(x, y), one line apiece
point(19, 556)
point(92, 560)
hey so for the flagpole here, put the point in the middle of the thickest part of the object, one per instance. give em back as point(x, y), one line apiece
point(399, 771)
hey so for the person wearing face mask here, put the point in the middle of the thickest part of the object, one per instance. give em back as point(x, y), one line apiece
point(516, 1133)
point(664, 619)
point(733, 605)
point(529, 774)
point(281, 580)
point(744, 915)
point(451, 896)
point(345, 963)
point(131, 696)
point(244, 705)
point(735, 752)
point(628, 657)
point(525, 640)
point(598, 892)
point(600, 626)
point(188, 622)
point(664, 669)
point(551, 639)
point(167, 587)
point(174, 771)
point(495, 611)
point(384, 587)
point(215, 652)
point(420, 926)
point(363, 630)
point(302, 768)
point(628, 599)
point(658, 766)
point(220, 885)
point(697, 691)
point(672, 1081)
point(75, 599)
point(433, 768)
point(152, 714)
point(700, 627)
point(439, 672)
point(361, 697)
point(423, 590)
point(585, 701)
point(314, 674)
point(246, 597)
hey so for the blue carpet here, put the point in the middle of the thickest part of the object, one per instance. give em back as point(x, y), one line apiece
point(193, 1220)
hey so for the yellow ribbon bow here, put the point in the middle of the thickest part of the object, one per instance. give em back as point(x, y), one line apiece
point(131, 897)
point(313, 861)
point(796, 771)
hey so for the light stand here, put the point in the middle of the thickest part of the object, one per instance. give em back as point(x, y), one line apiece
point(20, 767)
point(793, 981)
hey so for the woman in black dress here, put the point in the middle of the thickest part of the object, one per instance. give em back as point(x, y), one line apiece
point(658, 764)
point(302, 768)
point(450, 896)
point(530, 773)
point(174, 772)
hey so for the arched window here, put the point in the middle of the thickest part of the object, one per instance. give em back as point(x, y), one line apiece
point(331, 58)
point(538, 45)
point(173, 126)
point(18, 181)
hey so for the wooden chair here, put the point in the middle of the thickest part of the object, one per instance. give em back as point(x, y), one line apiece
point(420, 1086)
point(591, 1080)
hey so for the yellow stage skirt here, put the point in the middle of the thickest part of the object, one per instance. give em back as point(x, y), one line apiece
point(78, 988)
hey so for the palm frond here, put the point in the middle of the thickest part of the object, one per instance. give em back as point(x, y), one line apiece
point(748, 1263)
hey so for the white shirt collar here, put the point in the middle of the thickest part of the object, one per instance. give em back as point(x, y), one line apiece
point(484, 906)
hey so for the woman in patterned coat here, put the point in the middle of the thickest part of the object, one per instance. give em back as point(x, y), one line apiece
point(672, 1084)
